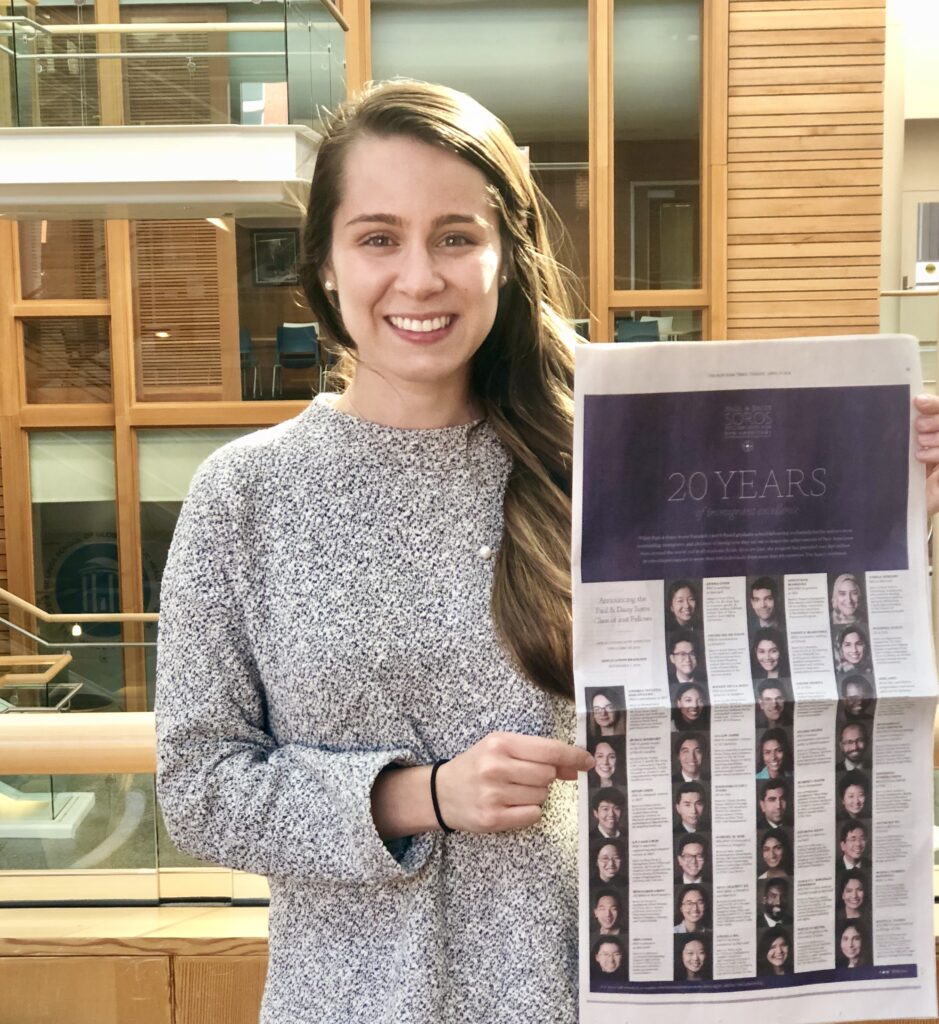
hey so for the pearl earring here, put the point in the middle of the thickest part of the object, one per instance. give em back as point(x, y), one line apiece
point(330, 286)
point(504, 280)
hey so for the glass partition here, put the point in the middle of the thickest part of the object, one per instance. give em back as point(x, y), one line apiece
point(68, 359)
point(267, 62)
point(657, 144)
point(76, 558)
point(78, 837)
point(657, 325)
point(62, 259)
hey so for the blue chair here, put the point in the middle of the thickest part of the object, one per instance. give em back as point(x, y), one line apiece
point(249, 361)
point(298, 348)
point(636, 330)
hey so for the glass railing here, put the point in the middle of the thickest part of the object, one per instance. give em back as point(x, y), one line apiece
point(91, 835)
point(268, 62)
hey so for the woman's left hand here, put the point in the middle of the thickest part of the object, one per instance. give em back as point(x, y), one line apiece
point(927, 446)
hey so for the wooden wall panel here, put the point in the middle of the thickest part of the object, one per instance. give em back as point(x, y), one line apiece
point(85, 990)
point(804, 156)
point(218, 988)
point(4, 608)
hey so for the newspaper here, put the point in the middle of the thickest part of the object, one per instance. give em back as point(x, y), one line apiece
point(755, 678)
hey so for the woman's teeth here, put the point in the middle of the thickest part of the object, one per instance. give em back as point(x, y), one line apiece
point(420, 326)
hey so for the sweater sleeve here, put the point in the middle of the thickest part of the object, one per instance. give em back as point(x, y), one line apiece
point(229, 792)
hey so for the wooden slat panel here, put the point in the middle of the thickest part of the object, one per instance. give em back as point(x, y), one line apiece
point(785, 18)
point(827, 206)
point(805, 144)
point(806, 50)
point(176, 294)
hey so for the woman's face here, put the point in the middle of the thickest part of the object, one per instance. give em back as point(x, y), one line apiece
point(853, 800)
point(605, 757)
point(416, 254)
point(846, 598)
point(603, 712)
point(691, 704)
point(767, 655)
point(608, 863)
point(778, 953)
point(606, 912)
point(693, 956)
point(851, 943)
point(692, 908)
point(683, 605)
point(772, 852)
point(853, 648)
point(852, 895)
point(774, 758)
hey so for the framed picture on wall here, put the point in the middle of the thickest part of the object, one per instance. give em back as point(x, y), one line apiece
point(274, 254)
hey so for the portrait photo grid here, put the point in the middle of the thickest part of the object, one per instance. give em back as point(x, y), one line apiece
point(773, 771)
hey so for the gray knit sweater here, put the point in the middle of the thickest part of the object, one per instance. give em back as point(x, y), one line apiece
point(325, 612)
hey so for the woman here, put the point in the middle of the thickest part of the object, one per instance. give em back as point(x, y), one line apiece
point(852, 945)
point(691, 910)
point(847, 600)
point(607, 912)
point(609, 757)
point(853, 889)
point(775, 757)
point(768, 657)
point(773, 955)
point(691, 709)
point(605, 719)
point(692, 962)
point(329, 714)
point(852, 653)
point(857, 695)
point(682, 606)
point(853, 788)
point(774, 855)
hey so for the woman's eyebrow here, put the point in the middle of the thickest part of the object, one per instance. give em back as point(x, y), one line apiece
point(394, 221)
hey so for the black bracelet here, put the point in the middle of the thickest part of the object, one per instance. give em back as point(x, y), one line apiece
point(433, 795)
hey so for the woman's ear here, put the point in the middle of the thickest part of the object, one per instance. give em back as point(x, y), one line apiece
point(328, 277)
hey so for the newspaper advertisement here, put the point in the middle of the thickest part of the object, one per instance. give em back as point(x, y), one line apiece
point(754, 669)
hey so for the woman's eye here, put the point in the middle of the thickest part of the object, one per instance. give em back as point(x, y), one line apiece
point(378, 241)
point(455, 241)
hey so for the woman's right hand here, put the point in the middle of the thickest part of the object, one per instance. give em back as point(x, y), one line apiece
point(501, 782)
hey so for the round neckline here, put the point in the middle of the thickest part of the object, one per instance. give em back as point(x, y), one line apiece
point(327, 402)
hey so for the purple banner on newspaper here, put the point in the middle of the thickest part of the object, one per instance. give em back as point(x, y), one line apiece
point(731, 483)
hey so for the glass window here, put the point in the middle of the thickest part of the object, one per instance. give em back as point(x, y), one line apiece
point(657, 137)
point(62, 259)
point(68, 359)
point(219, 314)
point(167, 461)
point(525, 61)
point(75, 554)
point(56, 75)
point(657, 325)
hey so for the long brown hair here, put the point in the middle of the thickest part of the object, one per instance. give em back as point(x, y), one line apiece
point(521, 376)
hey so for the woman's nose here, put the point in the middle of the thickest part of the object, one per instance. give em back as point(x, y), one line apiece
point(418, 275)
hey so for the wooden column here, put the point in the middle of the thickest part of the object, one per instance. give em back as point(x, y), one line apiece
point(358, 14)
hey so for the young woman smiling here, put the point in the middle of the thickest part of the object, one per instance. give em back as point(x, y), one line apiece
point(365, 680)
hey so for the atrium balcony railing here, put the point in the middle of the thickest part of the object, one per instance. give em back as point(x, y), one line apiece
point(269, 62)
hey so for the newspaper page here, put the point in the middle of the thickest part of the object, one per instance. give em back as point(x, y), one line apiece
point(755, 679)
